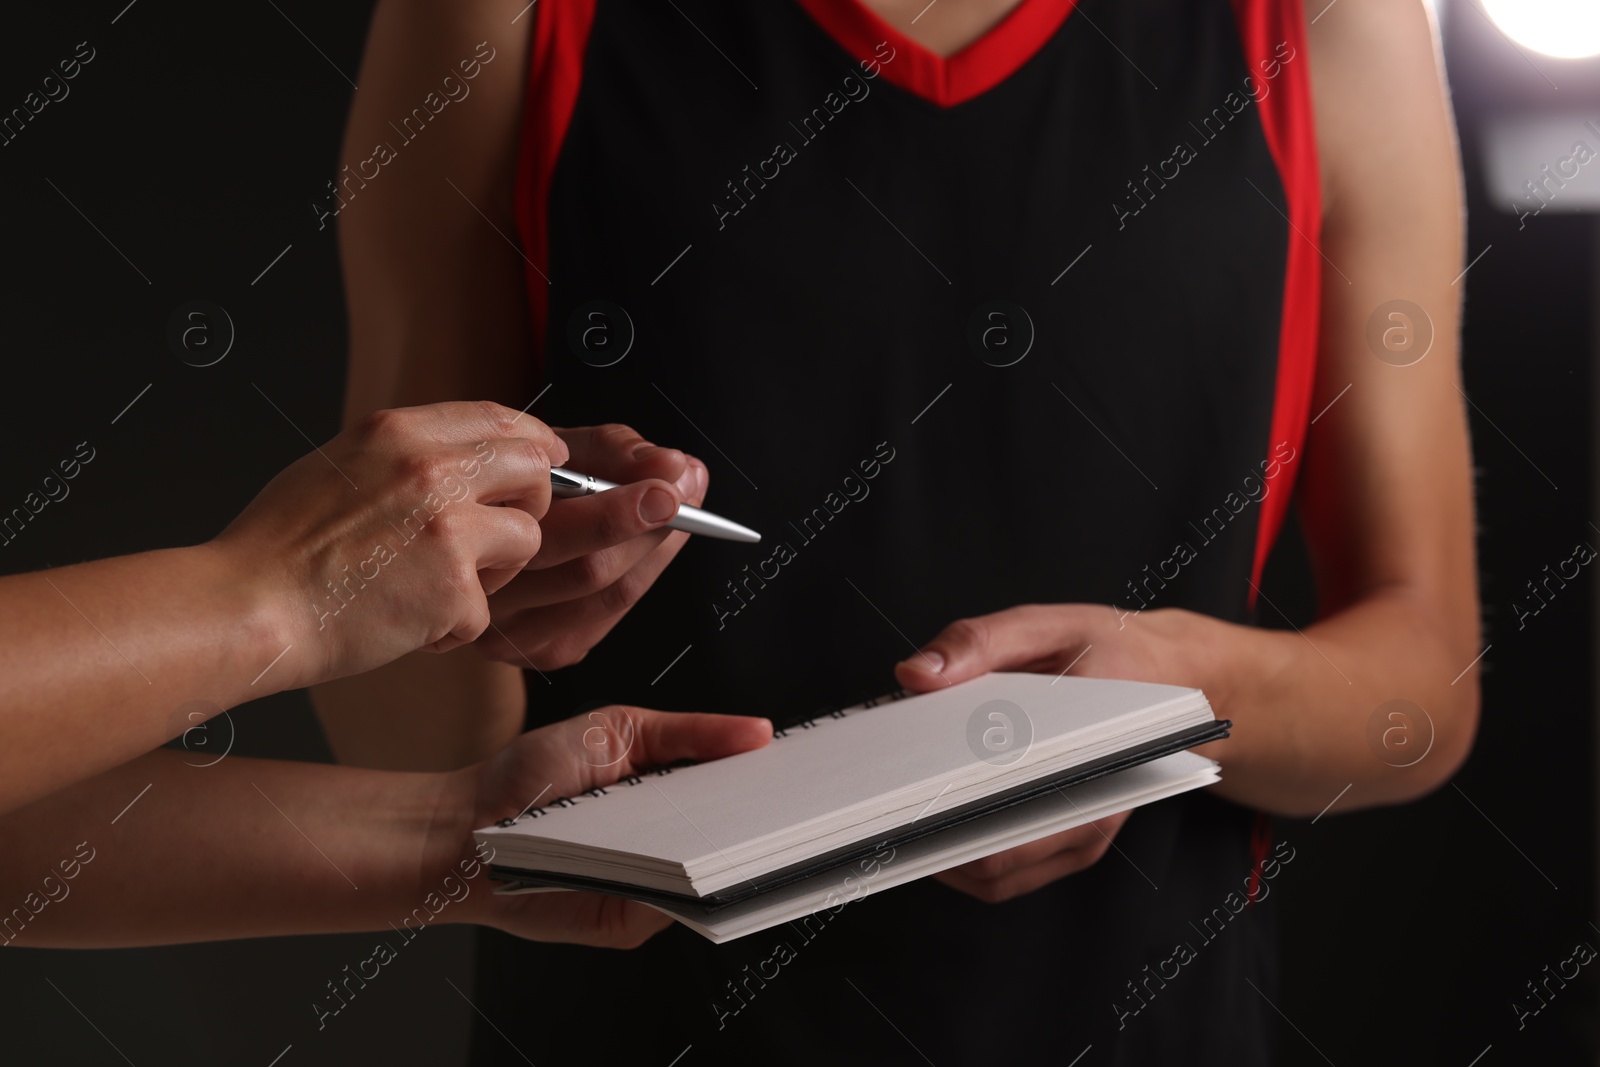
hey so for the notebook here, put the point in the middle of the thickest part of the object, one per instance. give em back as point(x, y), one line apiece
point(900, 787)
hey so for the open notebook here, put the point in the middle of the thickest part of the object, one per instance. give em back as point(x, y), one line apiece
point(895, 789)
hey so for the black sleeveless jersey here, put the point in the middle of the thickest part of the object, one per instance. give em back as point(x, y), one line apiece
point(1032, 324)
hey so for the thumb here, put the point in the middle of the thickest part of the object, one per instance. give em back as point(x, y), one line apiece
point(1008, 640)
point(603, 746)
point(959, 652)
point(664, 737)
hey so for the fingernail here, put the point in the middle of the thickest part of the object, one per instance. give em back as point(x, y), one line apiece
point(657, 506)
point(688, 480)
point(643, 449)
point(930, 659)
point(702, 479)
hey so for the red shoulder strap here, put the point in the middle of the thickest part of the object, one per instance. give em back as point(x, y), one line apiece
point(555, 72)
point(1273, 34)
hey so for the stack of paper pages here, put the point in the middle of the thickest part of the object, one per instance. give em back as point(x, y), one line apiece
point(865, 798)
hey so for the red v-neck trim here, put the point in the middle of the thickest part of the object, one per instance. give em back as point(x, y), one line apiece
point(971, 72)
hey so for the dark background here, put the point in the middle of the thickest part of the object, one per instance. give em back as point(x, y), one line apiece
point(197, 140)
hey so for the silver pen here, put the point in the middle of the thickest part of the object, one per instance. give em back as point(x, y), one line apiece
point(565, 483)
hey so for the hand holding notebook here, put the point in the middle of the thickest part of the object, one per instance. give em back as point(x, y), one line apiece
point(921, 784)
point(1086, 640)
point(588, 752)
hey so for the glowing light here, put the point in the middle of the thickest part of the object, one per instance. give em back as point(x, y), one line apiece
point(1567, 29)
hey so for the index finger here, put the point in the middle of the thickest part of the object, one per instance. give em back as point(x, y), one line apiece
point(621, 454)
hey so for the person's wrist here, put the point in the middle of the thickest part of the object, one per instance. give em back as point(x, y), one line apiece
point(1216, 657)
point(262, 634)
point(1192, 649)
point(450, 851)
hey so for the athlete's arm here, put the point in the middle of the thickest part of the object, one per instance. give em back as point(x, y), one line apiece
point(1387, 498)
point(163, 850)
point(1386, 491)
point(384, 541)
point(435, 284)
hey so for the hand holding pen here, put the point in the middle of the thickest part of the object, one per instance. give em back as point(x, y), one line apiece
point(690, 519)
point(601, 552)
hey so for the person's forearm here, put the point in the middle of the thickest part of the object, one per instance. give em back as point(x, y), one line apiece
point(245, 848)
point(102, 661)
point(423, 712)
point(1303, 705)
